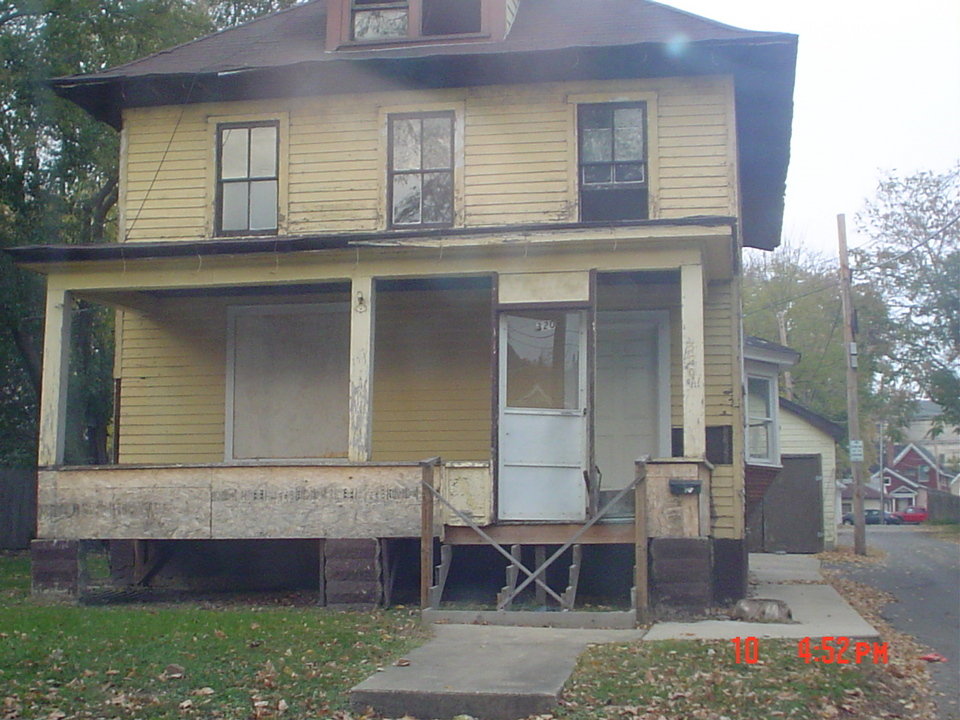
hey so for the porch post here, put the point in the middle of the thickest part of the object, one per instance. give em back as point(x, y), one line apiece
point(56, 373)
point(693, 361)
point(361, 368)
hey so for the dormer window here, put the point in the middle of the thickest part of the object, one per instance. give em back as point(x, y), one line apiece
point(387, 20)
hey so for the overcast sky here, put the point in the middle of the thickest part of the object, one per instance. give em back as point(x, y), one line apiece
point(878, 88)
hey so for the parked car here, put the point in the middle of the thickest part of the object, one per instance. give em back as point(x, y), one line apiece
point(912, 514)
point(872, 517)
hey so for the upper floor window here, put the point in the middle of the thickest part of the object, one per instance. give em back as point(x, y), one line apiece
point(401, 19)
point(247, 178)
point(420, 169)
point(612, 147)
point(761, 420)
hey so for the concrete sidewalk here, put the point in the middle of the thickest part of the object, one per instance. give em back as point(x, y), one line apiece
point(818, 610)
point(503, 672)
point(490, 672)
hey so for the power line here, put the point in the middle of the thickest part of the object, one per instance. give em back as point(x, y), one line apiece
point(902, 255)
point(831, 285)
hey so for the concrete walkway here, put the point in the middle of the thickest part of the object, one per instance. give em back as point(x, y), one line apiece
point(489, 672)
point(502, 673)
point(818, 610)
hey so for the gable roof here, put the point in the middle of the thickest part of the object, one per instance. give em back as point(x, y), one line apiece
point(924, 454)
point(756, 348)
point(818, 421)
point(284, 54)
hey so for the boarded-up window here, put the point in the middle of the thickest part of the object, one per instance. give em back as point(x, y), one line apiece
point(289, 382)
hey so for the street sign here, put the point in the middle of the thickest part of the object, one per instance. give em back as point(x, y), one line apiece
point(856, 451)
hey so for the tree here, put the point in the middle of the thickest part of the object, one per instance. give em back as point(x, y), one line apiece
point(792, 296)
point(913, 263)
point(58, 184)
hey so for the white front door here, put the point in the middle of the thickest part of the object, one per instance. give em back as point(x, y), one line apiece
point(631, 411)
point(542, 448)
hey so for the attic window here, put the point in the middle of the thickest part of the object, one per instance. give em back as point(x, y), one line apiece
point(373, 20)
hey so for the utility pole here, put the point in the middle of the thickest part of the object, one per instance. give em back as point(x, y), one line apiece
point(787, 375)
point(853, 417)
point(883, 470)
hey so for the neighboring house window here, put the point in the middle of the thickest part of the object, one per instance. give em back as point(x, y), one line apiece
point(612, 161)
point(420, 169)
point(247, 178)
point(761, 427)
point(400, 19)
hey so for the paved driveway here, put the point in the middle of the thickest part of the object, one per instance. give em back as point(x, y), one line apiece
point(923, 573)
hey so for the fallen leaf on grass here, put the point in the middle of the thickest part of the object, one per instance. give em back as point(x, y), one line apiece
point(203, 691)
point(172, 672)
point(186, 705)
point(56, 715)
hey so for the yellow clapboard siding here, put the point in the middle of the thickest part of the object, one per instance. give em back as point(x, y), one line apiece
point(334, 153)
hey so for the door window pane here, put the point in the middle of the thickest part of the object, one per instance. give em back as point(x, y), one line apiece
point(543, 360)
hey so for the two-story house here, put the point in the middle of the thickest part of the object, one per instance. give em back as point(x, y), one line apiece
point(357, 234)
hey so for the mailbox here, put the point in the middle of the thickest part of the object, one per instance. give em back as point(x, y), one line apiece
point(684, 487)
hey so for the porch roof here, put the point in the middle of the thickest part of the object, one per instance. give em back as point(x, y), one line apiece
point(42, 254)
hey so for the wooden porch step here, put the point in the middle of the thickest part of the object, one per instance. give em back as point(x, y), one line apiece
point(351, 573)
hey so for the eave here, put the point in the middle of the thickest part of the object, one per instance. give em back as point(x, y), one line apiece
point(763, 70)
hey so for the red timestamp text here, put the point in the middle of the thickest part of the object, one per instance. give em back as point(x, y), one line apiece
point(827, 650)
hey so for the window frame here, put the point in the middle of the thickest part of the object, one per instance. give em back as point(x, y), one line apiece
point(219, 181)
point(342, 24)
point(772, 422)
point(645, 185)
point(452, 116)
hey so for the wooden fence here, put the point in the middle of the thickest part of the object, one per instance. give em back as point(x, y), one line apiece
point(18, 508)
point(943, 507)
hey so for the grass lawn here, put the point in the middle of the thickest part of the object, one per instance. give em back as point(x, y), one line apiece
point(701, 679)
point(186, 660)
point(245, 662)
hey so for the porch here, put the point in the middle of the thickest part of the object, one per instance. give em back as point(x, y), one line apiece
point(274, 401)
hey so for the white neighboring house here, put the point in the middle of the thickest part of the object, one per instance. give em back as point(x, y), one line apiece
point(777, 427)
point(804, 432)
point(944, 448)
